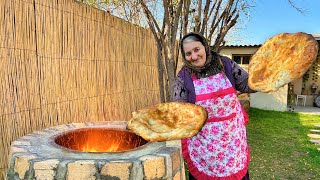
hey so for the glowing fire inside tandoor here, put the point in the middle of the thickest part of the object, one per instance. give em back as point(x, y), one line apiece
point(99, 140)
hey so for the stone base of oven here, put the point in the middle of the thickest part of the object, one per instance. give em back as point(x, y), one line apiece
point(33, 157)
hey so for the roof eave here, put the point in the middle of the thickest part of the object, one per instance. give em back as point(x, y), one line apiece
point(316, 36)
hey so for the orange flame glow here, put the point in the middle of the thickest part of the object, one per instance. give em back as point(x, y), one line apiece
point(99, 140)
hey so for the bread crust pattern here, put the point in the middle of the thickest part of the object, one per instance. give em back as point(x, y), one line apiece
point(168, 121)
point(281, 59)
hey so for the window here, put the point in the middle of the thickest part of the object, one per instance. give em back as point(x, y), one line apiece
point(241, 58)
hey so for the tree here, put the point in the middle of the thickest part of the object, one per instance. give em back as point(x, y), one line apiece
point(212, 18)
point(173, 19)
point(128, 10)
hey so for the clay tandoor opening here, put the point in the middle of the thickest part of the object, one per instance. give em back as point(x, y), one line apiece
point(99, 140)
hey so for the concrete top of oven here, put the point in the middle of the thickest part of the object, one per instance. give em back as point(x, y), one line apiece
point(38, 151)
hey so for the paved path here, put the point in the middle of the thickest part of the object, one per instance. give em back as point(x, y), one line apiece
point(307, 110)
point(315, 136)
point(314, 133)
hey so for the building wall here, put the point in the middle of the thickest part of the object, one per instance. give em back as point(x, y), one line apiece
point(228, 51)
point(276, 101)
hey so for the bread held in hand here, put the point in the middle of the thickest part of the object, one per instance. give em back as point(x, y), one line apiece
point(281, 59)
point(168, 121)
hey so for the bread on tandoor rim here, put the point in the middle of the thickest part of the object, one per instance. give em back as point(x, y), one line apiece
point(281, 59)
point(168, 121)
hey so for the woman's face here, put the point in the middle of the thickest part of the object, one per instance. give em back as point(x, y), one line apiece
point(195, 53)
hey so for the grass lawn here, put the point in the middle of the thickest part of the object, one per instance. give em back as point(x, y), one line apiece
point(280, 147)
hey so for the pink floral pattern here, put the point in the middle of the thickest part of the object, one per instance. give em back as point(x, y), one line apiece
point(220, 148)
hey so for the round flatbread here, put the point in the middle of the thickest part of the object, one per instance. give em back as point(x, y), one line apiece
point(168, 121)
point(280, 60)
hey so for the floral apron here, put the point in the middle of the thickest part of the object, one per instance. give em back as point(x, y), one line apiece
point(219, 150)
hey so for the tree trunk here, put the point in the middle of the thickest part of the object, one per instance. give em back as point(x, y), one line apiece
point(161, 73)
point(171, 77)
point(170, 69)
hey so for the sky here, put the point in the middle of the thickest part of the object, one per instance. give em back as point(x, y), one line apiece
point(271, 17)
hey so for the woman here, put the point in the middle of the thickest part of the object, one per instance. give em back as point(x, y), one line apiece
point(219, 150)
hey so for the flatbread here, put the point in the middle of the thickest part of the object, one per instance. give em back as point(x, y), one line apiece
point(281, 59)
point(168, 121)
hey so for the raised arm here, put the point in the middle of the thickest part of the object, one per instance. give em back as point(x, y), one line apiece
point(241, 78)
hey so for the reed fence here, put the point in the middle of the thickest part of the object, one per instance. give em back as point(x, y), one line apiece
point(63, 62)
